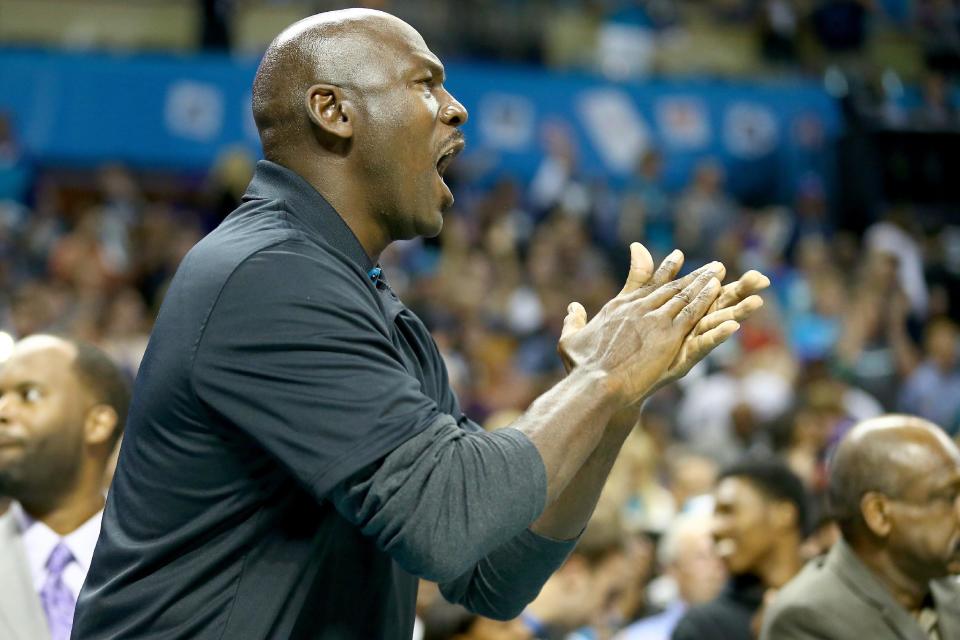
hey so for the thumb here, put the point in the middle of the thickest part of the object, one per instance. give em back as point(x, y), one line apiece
point(641, 268)
point(575, 320)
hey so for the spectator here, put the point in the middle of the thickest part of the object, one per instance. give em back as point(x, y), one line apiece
point(932, 390)
point(479, 628)
point(778, 22)
point(895, 490)
point(645, 213)
point(760, 519)
point(704, 212)
point(723, 414)
point(937, 110)
point(687, 555)
point(62, 407)
point(875, 348)
point(580, 598)
point(690, 475)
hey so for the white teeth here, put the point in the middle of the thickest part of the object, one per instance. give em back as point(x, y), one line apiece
point(725, 547)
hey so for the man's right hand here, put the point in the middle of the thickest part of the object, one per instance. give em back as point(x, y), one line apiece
point(635, 337)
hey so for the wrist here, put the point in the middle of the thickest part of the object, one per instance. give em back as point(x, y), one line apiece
point(596, 382)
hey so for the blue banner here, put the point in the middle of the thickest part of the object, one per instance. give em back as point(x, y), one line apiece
point(181, 112)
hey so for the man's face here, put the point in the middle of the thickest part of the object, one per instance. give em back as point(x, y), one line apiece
point(741, 532)
point(42, 409)
point(698, 570)
point(924, 538)
point(408, 134)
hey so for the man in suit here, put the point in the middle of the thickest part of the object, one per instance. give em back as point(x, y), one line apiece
point(895, 490)
point(62, 407)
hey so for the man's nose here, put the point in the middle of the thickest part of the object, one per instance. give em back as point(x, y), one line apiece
point(453, 113)
point(6, 407)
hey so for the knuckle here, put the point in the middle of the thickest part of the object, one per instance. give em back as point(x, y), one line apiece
point(667, 266)
point(705, 295)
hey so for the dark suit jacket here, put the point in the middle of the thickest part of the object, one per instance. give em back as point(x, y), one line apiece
point(836, 597)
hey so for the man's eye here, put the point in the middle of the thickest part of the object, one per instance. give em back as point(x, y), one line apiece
point(32, 394)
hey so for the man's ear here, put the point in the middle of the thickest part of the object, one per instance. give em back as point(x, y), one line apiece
point(331, 115)
point(100, 425)
point(875, 509)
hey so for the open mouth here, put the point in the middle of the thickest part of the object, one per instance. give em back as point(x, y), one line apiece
point(448, 155)
point(725, 547)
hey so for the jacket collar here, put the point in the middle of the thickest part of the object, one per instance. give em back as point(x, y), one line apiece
point(862, 581)
point(272, 181)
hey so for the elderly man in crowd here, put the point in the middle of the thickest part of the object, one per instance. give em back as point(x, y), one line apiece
point(686, 553)
point(62, 408)
point(759, 526)
point(895, 490)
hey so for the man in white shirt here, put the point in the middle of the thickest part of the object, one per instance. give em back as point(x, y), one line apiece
point(62, 408)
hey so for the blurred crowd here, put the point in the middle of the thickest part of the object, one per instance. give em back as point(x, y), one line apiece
point(628, 37)
point(855, 324)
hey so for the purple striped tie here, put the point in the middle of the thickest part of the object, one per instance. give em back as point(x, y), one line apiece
point(58, 602)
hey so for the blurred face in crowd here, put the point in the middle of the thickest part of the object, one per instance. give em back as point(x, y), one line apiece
point(692, 476)
point(941, 343)
point(43, 406)
point(923, 528)
point(407, 133)
point(881, 275)
point(697, 568)
point(741, 527)
point(486, 629)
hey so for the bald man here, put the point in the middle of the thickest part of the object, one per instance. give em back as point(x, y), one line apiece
point(895, 490)
point(62, 407)
point(295, 459)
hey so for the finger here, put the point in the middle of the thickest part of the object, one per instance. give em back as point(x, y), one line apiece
point(665, 292)
point(738, 312)
point(689, 315)
point(641, 267)
point(704, 344)
point(749, 283)
point(691, 294)
point(668, 269)
point(575, 320)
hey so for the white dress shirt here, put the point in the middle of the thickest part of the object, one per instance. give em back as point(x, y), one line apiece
point(40, 540)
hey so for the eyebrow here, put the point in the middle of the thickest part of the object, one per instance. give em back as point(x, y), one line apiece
point(19, 385)
point(433, 64)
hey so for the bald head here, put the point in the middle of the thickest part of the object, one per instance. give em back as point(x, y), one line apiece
point(354, 103)
point(347, 49)
point(888, 455)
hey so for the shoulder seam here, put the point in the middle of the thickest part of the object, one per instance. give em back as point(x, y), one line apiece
point(206, 318)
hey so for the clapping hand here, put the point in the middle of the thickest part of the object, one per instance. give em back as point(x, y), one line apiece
point(735, 302)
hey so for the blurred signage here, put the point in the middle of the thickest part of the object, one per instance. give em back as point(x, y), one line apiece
point(181, 111)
